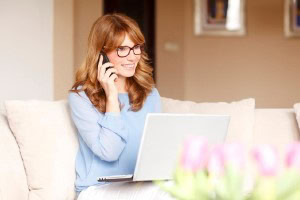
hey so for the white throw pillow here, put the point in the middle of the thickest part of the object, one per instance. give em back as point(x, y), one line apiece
point(2, 109)
point(13, 182)
point(48, 144)
point(241, 126)
point(297, 111)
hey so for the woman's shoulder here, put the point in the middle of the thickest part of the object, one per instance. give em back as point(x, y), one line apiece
point(153, 96)
point(78, 96)
point(154, 92)
point(153, 101)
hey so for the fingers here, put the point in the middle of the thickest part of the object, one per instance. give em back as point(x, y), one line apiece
point(109, 72)
point(100, 62)
point(113, 77)
point(106, 73)
point(102, 68)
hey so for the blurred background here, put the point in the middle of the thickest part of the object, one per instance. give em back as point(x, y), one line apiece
point(42, 42)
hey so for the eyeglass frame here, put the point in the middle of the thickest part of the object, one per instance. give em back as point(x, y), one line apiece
point(131, 48)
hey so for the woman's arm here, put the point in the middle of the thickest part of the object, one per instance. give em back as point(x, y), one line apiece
point(105, 134)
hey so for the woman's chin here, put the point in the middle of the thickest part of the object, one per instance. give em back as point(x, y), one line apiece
point(127, 74)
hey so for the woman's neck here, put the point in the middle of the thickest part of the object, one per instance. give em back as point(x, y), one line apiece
point(121, 85)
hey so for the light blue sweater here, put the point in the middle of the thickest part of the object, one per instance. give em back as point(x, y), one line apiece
point(108, 142)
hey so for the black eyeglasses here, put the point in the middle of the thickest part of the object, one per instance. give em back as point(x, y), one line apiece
point(124, 51)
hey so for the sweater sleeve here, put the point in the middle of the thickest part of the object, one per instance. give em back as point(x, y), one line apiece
point(105, 134)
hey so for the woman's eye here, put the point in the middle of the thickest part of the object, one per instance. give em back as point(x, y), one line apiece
point(137, 47)
point(122, 48)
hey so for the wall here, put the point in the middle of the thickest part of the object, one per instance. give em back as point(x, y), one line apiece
point(170, 54)
point(41, 43)
point(73, 21)
point(63, 48)
point(86, 13)
point(26, 57)
point(37, 38)
point(263, 64)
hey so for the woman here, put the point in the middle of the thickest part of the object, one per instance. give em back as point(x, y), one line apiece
point(109, 102)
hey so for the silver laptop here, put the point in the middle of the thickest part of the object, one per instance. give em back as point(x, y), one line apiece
point(162, 139)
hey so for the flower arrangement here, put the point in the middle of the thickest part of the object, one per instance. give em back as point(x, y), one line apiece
point(221, 172)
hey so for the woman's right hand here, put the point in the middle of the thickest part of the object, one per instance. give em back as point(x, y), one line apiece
point(107, 79)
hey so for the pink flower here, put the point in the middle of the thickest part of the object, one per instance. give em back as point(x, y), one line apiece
point(216, 161)
point(293, 156)
point(231, 154)
point(195, 153)
point(267, 159)
point(234, 155)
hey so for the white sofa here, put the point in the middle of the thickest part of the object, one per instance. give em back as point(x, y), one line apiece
point(38, 141)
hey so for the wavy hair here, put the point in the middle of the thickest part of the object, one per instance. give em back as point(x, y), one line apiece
point(107, 34)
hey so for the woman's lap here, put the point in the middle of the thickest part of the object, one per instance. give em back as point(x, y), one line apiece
point(124, 191)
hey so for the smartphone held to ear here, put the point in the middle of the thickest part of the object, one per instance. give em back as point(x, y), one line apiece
point(105, 60)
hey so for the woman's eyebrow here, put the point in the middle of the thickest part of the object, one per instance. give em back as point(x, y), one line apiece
point(129, 46)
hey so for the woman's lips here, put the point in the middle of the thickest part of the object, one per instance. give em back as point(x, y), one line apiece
point(128, 66)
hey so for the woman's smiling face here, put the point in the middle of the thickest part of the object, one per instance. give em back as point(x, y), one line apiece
point(125, 66)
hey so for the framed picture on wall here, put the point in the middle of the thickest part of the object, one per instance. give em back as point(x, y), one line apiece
point(292, 18)
point(219, 17)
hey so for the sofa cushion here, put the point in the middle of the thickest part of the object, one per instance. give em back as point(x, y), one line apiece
point(242, 115)
point(297, 111)
point(48, 145)
point(13, 182)
point(276, 127)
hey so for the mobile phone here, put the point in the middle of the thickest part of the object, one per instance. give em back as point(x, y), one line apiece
point(105, 60)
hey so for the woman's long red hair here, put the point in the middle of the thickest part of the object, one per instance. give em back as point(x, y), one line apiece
point(107, 33)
